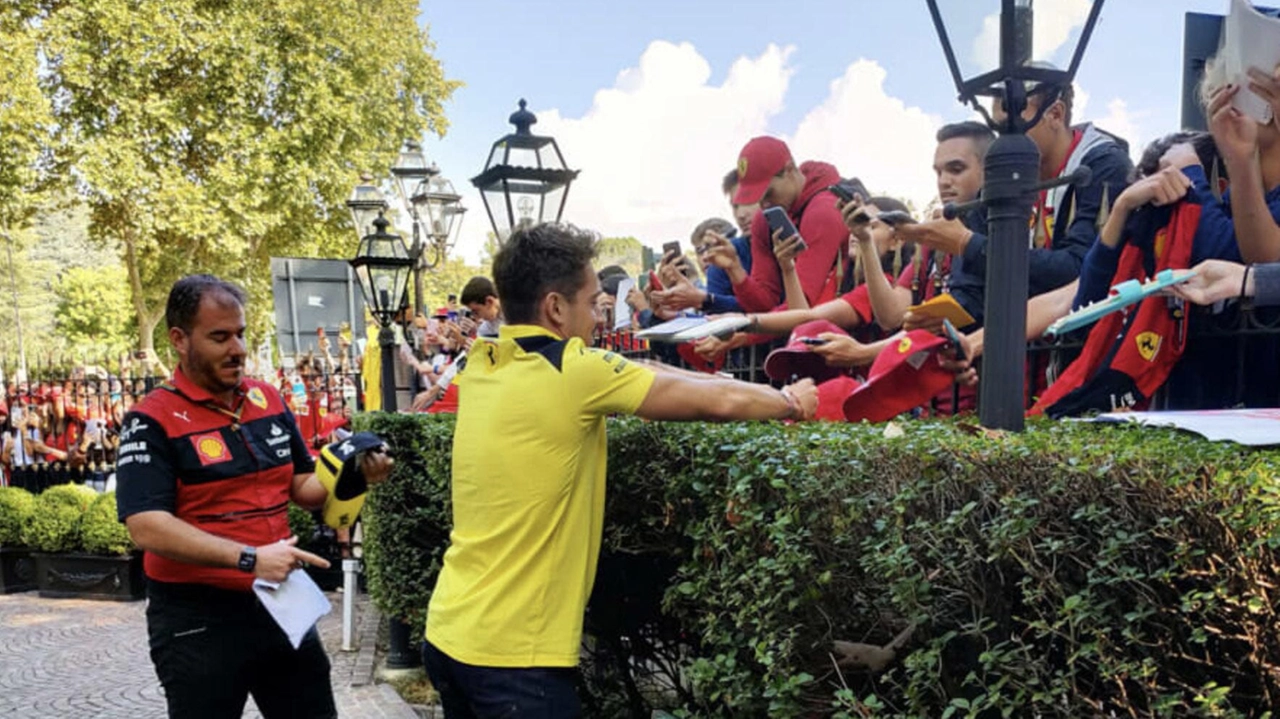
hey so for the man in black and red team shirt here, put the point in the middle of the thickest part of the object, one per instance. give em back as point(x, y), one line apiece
point(207, 465)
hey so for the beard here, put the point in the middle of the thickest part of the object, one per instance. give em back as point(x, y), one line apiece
point(215, 374)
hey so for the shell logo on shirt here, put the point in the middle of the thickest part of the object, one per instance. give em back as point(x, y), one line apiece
point(211, 449)
point(258, 399)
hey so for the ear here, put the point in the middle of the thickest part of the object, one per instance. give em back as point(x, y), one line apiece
point(180, 340)
point(555, 308)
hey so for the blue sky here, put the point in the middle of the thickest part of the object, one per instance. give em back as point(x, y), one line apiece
point(798, 81)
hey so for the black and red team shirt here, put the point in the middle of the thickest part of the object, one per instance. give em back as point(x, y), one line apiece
point(226, 470)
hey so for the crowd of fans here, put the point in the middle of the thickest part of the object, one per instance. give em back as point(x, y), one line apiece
point(847, 288)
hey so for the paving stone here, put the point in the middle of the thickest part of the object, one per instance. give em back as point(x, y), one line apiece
point(67, 658)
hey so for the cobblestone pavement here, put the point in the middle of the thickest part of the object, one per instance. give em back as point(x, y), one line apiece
point(68, 659)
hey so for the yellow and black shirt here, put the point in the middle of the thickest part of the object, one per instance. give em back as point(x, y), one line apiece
point(529, 456)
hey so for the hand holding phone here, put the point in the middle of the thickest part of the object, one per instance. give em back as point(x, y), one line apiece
point(671, 248)
point(780, 226)
point(954, 338)
point(895, 218)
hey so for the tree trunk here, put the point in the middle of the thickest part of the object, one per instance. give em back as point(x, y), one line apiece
point(148, 318)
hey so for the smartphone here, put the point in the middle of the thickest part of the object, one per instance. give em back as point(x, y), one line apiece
point(813, 341)
point(671, 248)
point(778, 220)
point(654, 283)
point(954, 338)
point(842, 192)
point(896, 218)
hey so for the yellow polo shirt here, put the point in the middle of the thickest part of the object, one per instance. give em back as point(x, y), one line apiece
point(529, 456)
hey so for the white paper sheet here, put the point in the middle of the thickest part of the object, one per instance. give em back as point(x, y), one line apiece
point(1249, 39)
point(296, 604)
point(621, 310)
point(1251, 427)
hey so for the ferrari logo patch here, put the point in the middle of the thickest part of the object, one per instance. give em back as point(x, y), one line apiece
point(904, 345)
point(211, 449)
point(742, 167)
point(258, 399)
point(1148, 345)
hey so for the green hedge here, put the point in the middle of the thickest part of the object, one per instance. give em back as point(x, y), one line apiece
point(1074, 570)
point(101, 532)
point(54, 524)
point(16, 505)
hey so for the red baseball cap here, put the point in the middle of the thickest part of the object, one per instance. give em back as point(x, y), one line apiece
point(760, 160)
point(831, 397)
point(797, 359)
point(904, 376)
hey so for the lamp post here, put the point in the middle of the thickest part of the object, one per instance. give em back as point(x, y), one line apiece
point(434, 210)
point(1012, 178)
point(382, 265)
point(525, 180)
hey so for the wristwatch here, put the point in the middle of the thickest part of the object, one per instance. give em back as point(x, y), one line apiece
point(707, 300)
point(248, 560)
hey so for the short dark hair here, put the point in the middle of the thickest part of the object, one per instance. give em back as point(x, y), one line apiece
point(981, 135)
point(888, 204)
point(1050, 93)
point(1204, 146)
point(477, 290)
point(537, 261)
point(729, 182)
point(187, 293)
point(714, 224)
point(610, 277)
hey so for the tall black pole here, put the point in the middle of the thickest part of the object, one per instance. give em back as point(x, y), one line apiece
point(1012, 169)
point(400, 653)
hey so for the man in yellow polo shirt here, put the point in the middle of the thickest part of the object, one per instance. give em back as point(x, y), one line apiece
point(505, 621)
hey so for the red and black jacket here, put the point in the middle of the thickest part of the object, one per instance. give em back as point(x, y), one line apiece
point(225, 470)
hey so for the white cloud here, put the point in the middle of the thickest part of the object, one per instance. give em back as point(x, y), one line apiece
point(653, 147)
point(1051, 27)
point(868, 134)
point(1120, 120)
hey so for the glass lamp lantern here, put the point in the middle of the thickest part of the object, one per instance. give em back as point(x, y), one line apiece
point(525, 180)
point(382, 265)
point(1007, 47)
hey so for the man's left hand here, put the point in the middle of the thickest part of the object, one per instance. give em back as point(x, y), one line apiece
point(376, 465)
point(949, 236)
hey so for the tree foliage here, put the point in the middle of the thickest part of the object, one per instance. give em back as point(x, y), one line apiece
point(626, 252)
point(24, 118)
point(210, 135)
point(93, 313)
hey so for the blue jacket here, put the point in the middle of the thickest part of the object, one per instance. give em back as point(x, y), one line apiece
point(1215, 238)
point(719, 287)
point(1075, 225)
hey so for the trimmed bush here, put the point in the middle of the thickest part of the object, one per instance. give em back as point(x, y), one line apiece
point(301, 524)
point(16, 505)
point(1073, 570)
point(101, 532)
point(54, 524)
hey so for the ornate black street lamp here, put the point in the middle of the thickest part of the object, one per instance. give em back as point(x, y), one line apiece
point(1012, 176)
point(525, 180)
point(434, 209)
point(382, 265)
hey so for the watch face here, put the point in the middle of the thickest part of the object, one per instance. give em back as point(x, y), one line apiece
point(248, 559)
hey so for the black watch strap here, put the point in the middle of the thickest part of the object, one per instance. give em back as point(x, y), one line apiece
point(248, 560)
point(707, 300)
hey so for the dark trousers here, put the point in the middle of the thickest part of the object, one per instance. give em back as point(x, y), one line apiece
point(214, 647)
point(470, 692)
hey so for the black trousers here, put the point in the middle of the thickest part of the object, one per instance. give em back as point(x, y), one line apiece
point(212, 648)
point(471, 692)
